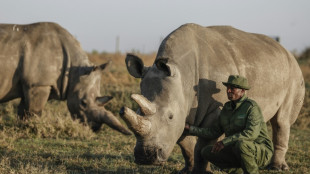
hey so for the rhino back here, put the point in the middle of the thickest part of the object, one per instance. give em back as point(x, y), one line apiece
point(38, 54)
point(206, 56)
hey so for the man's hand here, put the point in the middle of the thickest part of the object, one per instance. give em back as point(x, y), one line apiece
point(187, 126)
point(218, 146)
point(186, 129)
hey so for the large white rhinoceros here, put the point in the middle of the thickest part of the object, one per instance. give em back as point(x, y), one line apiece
point(185, 85)
point(43, 61)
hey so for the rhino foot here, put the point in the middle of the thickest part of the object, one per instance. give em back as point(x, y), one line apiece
point(195, 171)
point(278, 167)
point(185, 170)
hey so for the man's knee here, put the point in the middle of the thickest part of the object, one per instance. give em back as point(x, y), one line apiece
point(244, 147)
point(206, 152)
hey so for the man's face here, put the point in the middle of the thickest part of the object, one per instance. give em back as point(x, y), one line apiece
point(234, 93)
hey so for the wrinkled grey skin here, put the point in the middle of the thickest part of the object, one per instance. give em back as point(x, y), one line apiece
point(185, 85)
point(43, 61)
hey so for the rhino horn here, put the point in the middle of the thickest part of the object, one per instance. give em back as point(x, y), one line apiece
point(146, 106)
point(138, 124)
point(108, 118)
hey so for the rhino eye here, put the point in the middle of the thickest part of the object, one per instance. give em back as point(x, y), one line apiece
point(170, 117)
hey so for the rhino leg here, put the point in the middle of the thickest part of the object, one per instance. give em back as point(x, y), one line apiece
point(280, 137)
point(200, 165)
point(187, 145)
point(281, 123)
point(22, 109)
point(33, 101)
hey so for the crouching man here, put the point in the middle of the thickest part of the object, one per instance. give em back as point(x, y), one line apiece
point(246, 146)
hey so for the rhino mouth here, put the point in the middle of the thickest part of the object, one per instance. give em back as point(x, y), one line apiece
point(146, 152)
point(149, 155)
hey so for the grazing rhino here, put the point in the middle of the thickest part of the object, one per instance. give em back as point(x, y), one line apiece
point(185, 85)
point(43, 61)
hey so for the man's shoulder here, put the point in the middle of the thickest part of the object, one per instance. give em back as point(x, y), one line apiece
point(250, 102)
point(253, 102)
point(227, 105)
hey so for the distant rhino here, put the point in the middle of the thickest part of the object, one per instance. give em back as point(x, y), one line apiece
point(43, 61)
point(185, 85)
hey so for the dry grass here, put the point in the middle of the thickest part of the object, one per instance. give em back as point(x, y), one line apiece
point(116, 81)
point(55, 122)
point(305, 68)
point(117, 73)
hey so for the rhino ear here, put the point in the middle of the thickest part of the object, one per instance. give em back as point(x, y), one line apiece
point(103, 100)
point(102, 66)
point(135, 65)
point(161, 64)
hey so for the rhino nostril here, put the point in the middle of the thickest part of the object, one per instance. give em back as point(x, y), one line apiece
point(83, 103)
point(122, 111)
point(160, 150)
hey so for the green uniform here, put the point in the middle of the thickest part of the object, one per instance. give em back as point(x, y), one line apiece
point(246, 143)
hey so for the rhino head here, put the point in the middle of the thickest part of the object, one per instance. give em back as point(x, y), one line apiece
point(160, 120)
point(85, 102)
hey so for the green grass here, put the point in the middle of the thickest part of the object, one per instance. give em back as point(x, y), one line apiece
point(54, 143)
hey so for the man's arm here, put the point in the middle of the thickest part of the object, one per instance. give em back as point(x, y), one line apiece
point(209, 133)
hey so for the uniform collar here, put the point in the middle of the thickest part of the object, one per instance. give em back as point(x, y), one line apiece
point(234, 106)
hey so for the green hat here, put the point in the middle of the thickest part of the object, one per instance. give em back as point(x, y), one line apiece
point(237, 81)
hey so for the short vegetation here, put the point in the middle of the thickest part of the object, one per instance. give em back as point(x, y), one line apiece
point(54, 143)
